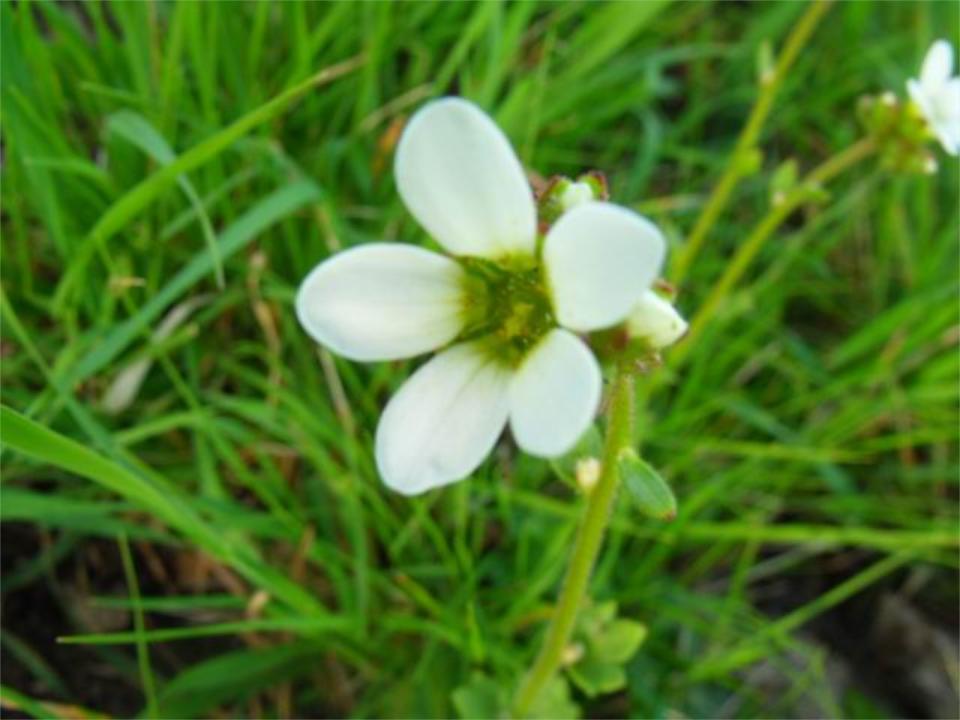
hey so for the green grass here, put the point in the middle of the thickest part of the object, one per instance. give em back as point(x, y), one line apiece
point(151, 148)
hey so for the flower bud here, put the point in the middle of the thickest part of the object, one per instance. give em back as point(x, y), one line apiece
point(588, 473)
point(576, 193)
point(571, 654)
point(650, 492)
point(655, 320)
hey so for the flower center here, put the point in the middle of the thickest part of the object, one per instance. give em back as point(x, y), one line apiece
point(507, 307)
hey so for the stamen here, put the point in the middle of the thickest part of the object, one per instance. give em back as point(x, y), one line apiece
point(507, 307)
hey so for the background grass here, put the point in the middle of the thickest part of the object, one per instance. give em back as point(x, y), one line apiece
point(225, 516)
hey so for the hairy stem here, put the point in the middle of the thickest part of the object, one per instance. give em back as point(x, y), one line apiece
point(590, 536)
point(747, 141)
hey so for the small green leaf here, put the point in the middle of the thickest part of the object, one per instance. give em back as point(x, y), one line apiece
point(618, 641)
point(554, 703)
point(650, 491)
point(596, 616)
point(480, 698)
point(595, 677)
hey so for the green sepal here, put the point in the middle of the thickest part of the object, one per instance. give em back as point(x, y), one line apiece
point(649, 491)
point(598, 184)
point(550, 201)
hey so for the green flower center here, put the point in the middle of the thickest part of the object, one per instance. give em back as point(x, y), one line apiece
point(507, 307)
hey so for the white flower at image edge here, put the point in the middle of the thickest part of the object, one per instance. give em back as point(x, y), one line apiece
point(459, 177)
point(937, 94)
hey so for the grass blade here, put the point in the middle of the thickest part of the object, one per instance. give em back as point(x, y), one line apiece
point(131, 204)
point(137, 130)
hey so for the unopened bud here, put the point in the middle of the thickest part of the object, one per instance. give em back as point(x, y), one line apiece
point(588, 473)
point(571, 654)
point(577, 193)
point(765, 63)
point(655, 320)
point(646, 487)
point(888, 98)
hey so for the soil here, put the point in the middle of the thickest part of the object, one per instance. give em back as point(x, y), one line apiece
point(894, 642)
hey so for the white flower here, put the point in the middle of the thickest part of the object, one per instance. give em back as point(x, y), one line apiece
point(517, 358)
point(937, 95)
point(655, 320)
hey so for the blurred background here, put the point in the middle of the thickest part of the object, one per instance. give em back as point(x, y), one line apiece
point(192, 522)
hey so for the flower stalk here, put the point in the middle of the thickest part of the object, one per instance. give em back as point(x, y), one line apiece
point(596, 518)
point(738, 165)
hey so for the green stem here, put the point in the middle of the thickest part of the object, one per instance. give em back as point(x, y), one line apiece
point(755, 241)
point(843, 160)
point(587, 546)
point(746, 143)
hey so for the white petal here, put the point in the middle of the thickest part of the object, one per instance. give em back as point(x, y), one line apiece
point(921, 98)
point(460, 178)
point(656, 321)
point(600, 258)
point(937, 65)
point(949, 138)
point(443, 421)
point(554, 395)
point(946, 121)
point(950, 97)
point(382, 302)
